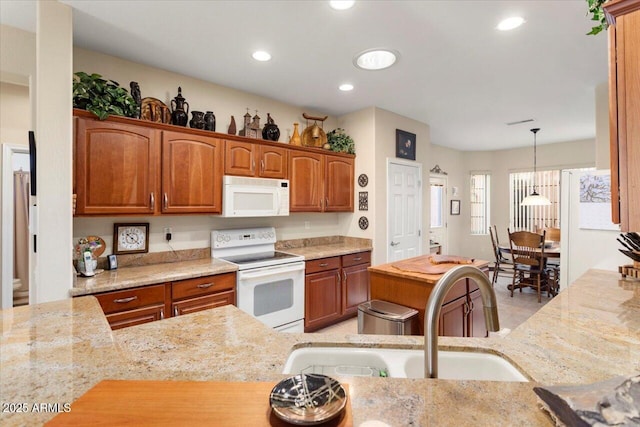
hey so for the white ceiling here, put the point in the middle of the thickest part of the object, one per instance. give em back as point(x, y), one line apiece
point(456, 73)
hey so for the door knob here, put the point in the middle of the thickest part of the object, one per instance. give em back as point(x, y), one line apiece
point(395, 243)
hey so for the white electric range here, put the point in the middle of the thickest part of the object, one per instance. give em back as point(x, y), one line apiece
point(270, 283)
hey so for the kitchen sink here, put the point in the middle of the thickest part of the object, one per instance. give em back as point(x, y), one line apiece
point(399, 363)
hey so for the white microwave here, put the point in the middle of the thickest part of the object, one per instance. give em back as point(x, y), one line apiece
point(250, 197)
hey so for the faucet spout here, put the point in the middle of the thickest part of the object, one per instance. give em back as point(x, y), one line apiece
point(434, 305)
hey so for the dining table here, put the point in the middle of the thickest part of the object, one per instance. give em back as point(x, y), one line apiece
point(551, 276)
point(551, 250)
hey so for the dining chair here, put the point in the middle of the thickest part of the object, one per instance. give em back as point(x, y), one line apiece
point(502, 266)
point(527, 254)
point(553, 235)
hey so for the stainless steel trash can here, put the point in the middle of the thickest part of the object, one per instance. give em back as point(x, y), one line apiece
point(386, 318)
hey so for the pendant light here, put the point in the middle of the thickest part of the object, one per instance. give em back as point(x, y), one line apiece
point(535, 199)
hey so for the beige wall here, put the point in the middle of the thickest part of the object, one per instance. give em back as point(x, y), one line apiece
point(566, 155)
point(17, 55)
point(15, 114)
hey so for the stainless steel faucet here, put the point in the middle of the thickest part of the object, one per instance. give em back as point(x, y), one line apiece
point(434, 304)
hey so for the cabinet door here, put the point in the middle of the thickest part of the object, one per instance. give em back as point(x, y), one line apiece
point(339, 178)
point(355, 283)
point(453, 318)
point(240, 158)
point(138, 316)
point(306, 175)
point(117, 167)
point(191, 173)
point(203, 303)
point(477, 325)
point(322, 299)
point(273, 162)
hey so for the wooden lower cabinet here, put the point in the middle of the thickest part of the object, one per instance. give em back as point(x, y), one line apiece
point(453, 318)
point(463, 316)
point(334, 287)
point(145, 304)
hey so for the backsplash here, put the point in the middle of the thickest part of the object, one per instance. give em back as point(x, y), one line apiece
point(137, 260)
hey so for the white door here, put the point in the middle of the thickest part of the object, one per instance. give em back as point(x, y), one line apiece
point(404, 210)
point(438, 229)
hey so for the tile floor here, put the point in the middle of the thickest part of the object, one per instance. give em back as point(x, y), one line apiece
point(511, 311)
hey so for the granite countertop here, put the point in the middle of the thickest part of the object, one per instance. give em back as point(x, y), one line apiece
point(54, 352)
point(325, 247)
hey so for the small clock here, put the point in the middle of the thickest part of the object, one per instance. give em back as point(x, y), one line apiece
point(130, 238)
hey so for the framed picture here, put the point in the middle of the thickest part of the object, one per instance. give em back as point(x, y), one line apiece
point(405, 145)
point(455, 207)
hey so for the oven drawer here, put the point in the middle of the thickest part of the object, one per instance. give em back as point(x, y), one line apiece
point(323, 264)
point(355, 259)
point(203, 286)
point(113, 302)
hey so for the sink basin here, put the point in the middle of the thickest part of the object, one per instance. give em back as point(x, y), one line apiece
point(397, 363)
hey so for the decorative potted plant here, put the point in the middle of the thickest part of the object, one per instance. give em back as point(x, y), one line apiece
point(102, 97)
point(597, 14)
point(340, 142)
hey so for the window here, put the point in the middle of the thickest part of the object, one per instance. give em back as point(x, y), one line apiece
point(534, 218)
point(437, 208)
point(480, 185)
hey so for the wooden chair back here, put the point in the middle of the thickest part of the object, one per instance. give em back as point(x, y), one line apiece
point(552, 234)
point(493, 232)
point(527, 249)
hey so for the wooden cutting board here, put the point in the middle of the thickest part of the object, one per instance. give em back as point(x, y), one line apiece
point(175, 403)
point(427, 265)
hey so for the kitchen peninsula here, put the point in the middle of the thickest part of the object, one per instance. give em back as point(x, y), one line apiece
point(55, 352)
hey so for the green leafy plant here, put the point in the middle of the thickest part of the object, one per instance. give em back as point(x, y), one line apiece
point(102, 97)
point(597, 14)
point(340, 142)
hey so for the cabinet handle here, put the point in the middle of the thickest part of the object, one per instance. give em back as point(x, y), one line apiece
point(165, 200)
point(359, 258)
point(262, 166)
point(324, 264)
point(338, 276)
point(253, 165)
point(205, 285)
point(466, 309)
point(175, 311)
point(125, 300)
point(161, 313)
point(326, 204)
point(344, 276)
point(152, 201)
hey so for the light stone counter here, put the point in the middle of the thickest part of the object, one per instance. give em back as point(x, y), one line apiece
point(55, 352)
point(324, 247)
point(130, 277)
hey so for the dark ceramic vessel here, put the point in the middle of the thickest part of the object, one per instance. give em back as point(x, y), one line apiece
point(179, 116)
point(197, 120)
point(210, 121)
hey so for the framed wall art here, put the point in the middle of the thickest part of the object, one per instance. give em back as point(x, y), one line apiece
point(405, 145)
point(455, 207)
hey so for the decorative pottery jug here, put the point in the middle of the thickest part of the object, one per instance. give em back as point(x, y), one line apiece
point(295, 138)
point(179, 116)
point(232, 126)
point(197, 120)
point(210, 121)
point(270, 132)
point(135, 94)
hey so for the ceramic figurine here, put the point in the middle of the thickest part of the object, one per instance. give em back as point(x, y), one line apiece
point(232, 126)
point(295, 138)
point(210, 121)
point(135, 94)
point(270, 131)
point(197, 120)
point(179, 116)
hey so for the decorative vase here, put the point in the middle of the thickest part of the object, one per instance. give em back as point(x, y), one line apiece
point(232, 126)
point(179, 116)
point(270, 132)
point(135, 94)
point(210, 121)
point(197, 120)
point(295, 138)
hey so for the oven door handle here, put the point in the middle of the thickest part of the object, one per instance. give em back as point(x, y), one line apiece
point(270, 271)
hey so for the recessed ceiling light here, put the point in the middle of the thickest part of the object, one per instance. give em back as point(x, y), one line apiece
point(341, 4)
point(346, 87)
point(375, 59)
point(510, 23)
point(261, 55)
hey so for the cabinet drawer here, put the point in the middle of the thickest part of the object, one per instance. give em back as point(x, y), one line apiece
point(203, 303)
point(323, 264)
point(203, 286)
point(137, 316)
point(355, 259)
point(112, 302)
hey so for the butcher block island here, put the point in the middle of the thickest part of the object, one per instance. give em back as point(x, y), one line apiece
point(409, 282)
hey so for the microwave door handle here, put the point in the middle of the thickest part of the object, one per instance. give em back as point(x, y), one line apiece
point(278, 196)
point(270, 271)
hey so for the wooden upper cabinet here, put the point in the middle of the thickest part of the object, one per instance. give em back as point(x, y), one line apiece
point(339, 179)
point(191, 173)
point(248, 159)
point(116, 168)
point(624, 111)
point(306, 173)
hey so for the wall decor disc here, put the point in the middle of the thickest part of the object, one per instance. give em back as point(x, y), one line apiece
point(363, 180)
point(363, 222)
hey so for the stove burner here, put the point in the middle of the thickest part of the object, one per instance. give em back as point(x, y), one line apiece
point(259, 257)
